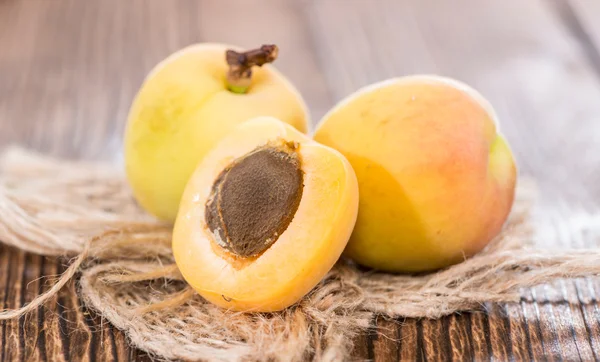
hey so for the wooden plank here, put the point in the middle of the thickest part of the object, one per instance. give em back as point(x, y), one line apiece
point(76, 335)
point(410, 340)
point(55, 348)
point(575, 319)
point(530, 313)
point(13, 350)
point(519, 335)
point(480, 331)
point(553, 347)
point(436, 339)
point(57, 330)
point(385, 343)
point(500, 332)
point(29, 327)
point(362, 348)
point(460, 338)
point(69, 69)
point(591, 312)
point(556, 322)
point(5, 292)
point(563, 320)
point(123, 351)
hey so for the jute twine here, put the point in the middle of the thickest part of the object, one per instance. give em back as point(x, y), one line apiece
point(127, 272)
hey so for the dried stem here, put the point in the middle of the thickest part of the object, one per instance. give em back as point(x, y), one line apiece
point(239, 76)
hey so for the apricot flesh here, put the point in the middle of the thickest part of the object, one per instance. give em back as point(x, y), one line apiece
point(291, 262)
point(183, 109)
point(436, 178)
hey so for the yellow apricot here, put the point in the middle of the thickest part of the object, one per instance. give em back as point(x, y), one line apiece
point(436, 179)
point(264, 217)
point(187, 104)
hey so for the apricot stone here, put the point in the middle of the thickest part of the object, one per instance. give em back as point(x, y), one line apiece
point(254, 199)
point(264, 217)
point(185, 106)
point(436, 179)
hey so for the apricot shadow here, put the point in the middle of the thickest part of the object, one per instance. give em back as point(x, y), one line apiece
point(396, 192)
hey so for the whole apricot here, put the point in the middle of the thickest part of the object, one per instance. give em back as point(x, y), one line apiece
point(264, 217)
point(187, 104)
point(436, 178)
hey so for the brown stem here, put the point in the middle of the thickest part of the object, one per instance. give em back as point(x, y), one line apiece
point(240, 65)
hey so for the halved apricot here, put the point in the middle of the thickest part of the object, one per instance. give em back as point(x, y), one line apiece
point(264, 217)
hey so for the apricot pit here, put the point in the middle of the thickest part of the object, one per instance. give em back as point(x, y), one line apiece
point(254, 200)
point(264, 217)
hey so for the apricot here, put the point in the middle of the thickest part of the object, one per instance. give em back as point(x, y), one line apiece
point(436, 178)
point(187, 104)
point(264, 217)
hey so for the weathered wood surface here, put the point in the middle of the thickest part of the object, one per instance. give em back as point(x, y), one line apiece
point(69, 69)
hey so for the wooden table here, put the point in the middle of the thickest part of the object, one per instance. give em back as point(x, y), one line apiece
point(69, 70)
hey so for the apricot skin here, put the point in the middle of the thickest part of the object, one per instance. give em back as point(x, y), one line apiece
point(303, 253)
point(436, 179)
point(183, 109)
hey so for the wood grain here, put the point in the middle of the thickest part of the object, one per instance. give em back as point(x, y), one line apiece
point(461, 344)
point(410, 340)
point(69, 69)
point(480, 334)
point(385, 338)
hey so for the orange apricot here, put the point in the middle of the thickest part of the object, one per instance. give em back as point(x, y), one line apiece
point(264, 217)
point(436, 178)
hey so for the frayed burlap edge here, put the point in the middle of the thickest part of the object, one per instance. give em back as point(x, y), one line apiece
point(128, 274)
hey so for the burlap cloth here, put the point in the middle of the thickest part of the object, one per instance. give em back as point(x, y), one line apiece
point(127, 272)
